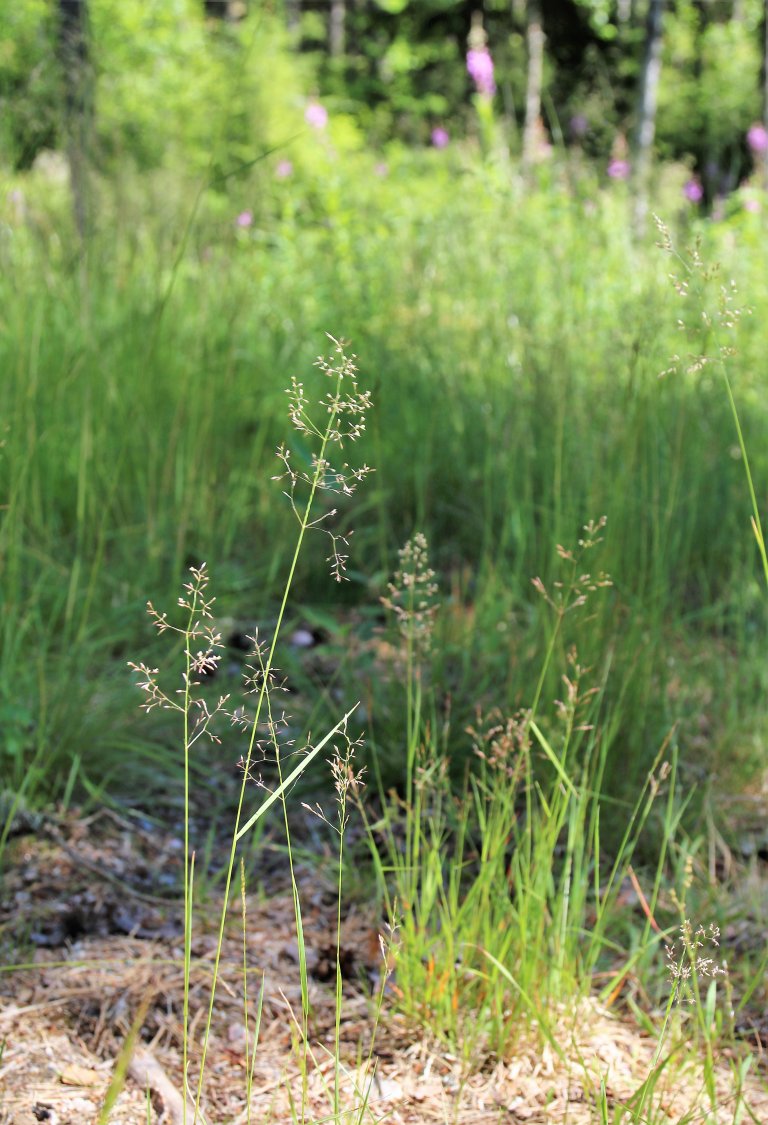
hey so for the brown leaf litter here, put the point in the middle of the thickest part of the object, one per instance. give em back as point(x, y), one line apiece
point(66, 1016)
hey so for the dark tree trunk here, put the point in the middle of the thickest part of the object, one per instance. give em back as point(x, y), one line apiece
point(78, 102)
point(230, 10)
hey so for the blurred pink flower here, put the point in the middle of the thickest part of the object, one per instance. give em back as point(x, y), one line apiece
point(693, 191)
point(480, 68)
point(244, 219)
point(440, 138)
point(284, 169)
point(757, 139)
point(381, 169)
point(316, 115)
point(619, 169)
point(752, 205)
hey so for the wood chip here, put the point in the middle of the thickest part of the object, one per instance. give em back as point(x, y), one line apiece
point(145, 1070)
point(76, 1075)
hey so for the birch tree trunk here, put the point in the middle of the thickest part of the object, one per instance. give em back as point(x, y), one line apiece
point(534, 41)
point(646, 118)
point(336, 30)
point(293, 15)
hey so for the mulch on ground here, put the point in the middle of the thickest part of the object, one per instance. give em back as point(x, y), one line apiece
point(103, 958)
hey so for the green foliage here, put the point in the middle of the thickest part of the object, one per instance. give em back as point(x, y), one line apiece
point(174, 89)
point(602, 17)
point(702, 56)
point(403, 70)
point(169, 87)
point(29, 89)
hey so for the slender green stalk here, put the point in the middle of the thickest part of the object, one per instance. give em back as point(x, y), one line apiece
point(338, 977)
point(298, 920)
point(246, 1019)
point(345, 407)
point(316, 481)
point(236, 833)
point(188, 859)
point(757, 525)
point(642, 1095)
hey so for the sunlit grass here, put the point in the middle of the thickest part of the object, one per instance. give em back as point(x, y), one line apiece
point(514, 350)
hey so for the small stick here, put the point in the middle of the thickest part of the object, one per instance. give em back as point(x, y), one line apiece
point(147, 1072)
point(643, 901)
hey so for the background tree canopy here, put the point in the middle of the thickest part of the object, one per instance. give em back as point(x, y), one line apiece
point(172, 78)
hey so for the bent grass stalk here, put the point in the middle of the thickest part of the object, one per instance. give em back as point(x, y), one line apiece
point(461, 911)
point(250, 1050)
point(712, 323)
point(686, 966)
point(346, 407)
point(514, 921)
point(347, 780)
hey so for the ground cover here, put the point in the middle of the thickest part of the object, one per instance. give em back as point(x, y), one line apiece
point(104, 949)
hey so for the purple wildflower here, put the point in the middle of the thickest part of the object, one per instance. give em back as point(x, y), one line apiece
point(693, 191)
point(316, 115)
point(757, 139)
point(284, 169)
point(244, 219)
point(480, 68)
point(578, 125)
point(752, 205)
point(619, 169)
point(440, 137)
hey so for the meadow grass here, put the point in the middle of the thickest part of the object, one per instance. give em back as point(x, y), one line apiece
point(503, 904)
point(514, 346)
point(337, 420)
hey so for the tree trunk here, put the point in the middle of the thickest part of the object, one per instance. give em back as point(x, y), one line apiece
point(534, 41)
point(78, 103)
point(646, 118)
point(293, 15)
point(336, 30)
